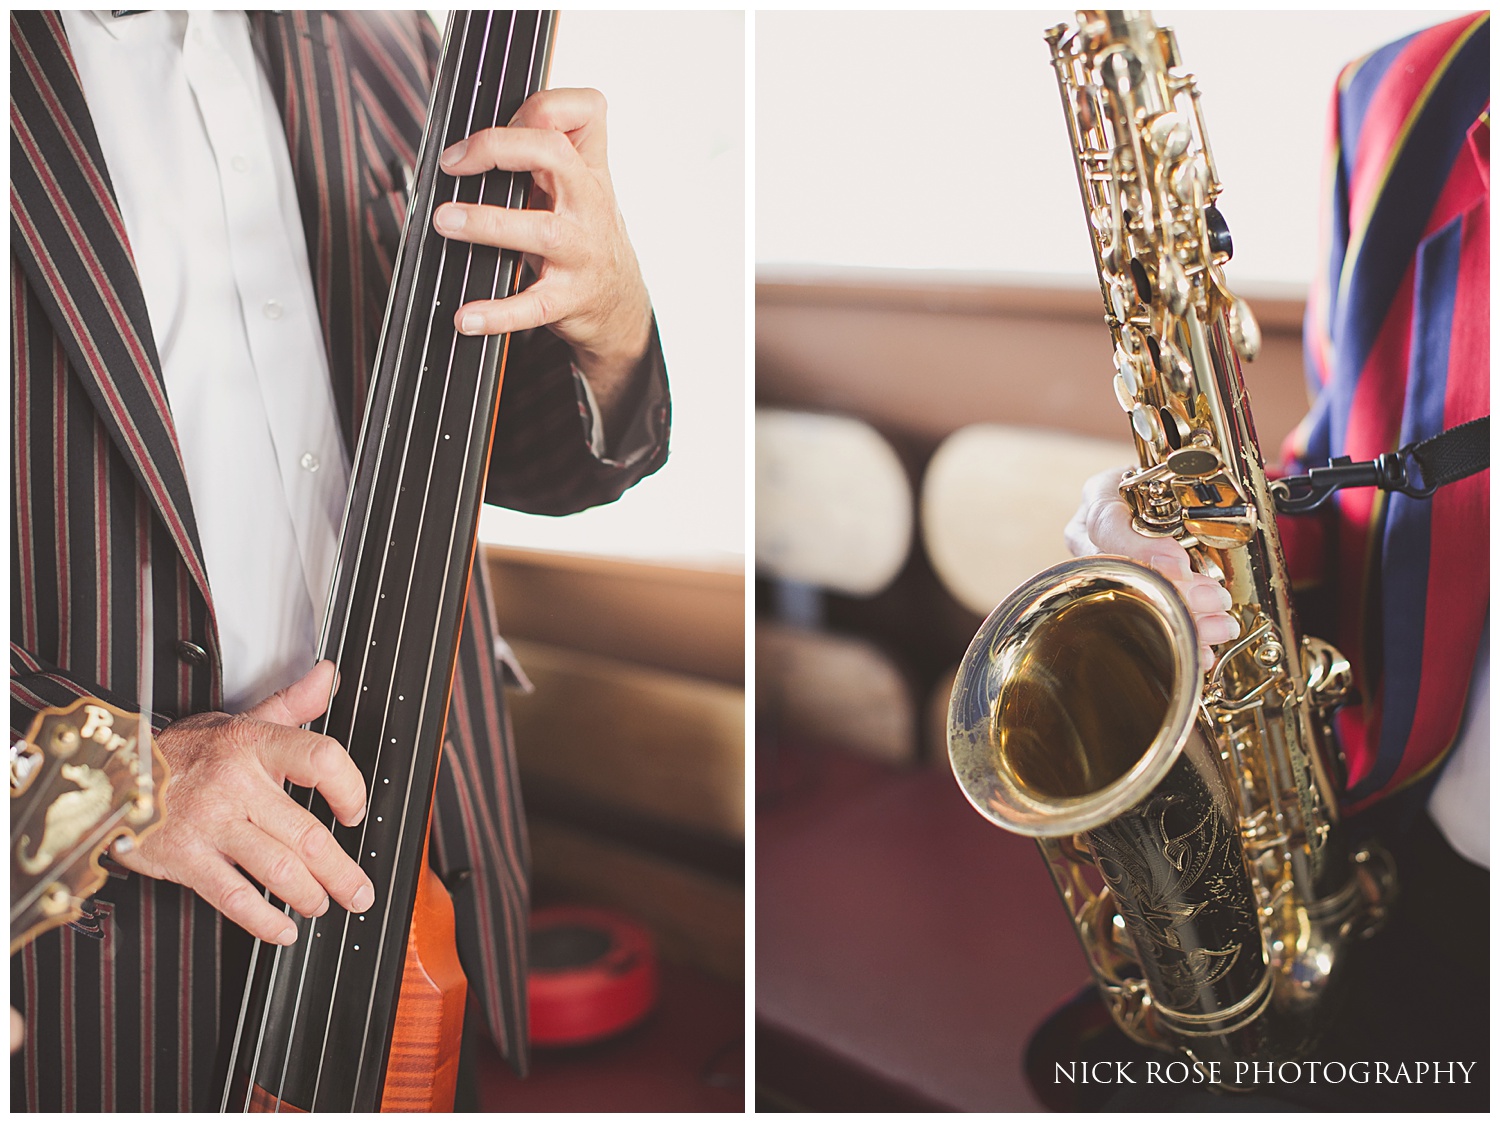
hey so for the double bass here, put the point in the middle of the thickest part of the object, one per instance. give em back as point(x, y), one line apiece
point(365, 1010)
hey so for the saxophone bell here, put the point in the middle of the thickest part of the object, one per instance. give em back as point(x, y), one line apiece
point(1028, 753)
point(1075, 719)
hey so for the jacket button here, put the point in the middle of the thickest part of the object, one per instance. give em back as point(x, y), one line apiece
point(190, 652)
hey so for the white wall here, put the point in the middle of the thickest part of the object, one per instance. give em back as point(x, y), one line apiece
point(936, 141)
point(675, 82)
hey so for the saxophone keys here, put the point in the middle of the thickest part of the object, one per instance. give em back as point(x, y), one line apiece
point(1205, 497)
point(1244, 331)
point(1173, 283)
point(1120, 72)
point(1142, 281)
point(1213, 509)
point(1084, 113)
point(1176, 369)
point(1128, 379)
point(1187, 182)
point(1170, 136)
point(1144, 348)
point(1147, 426)
point(1204, 564)
point(1220, 241)
point(1178, 425)
point(1091, 30)
point(1222, 533)
point(1269, 655)
point(1195, 462)
point(1329, 676)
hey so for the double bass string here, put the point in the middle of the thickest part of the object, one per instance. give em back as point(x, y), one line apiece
point(473, 430)
point(382, 944)
point(338, 604)
point(438, 588)
point(515, 196)
point(364, 531)
point(383, 581)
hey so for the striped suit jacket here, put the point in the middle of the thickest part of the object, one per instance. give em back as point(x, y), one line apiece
point(1397, 341)
point(124, 1012)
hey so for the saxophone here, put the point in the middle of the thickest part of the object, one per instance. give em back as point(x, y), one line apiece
point(1188, 816)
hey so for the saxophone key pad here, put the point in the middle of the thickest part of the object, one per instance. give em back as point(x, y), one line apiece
point(1129, 370)
point(1147, 426)
point(1194, 462)
point(1170, 135)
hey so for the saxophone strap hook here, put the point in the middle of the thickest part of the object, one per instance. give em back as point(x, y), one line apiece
point(1417, 469)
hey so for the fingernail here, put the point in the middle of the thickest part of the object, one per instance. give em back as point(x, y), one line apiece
point(363, 898)
point(1218, 629)
point(287, 937)
point(472, 324)
point(450, 219)
point(321, 909)
point(357, 818)
point(1209, 596)
point(454, 153)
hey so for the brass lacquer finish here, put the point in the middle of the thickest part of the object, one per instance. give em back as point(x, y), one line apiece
point(1189, 819)
point(1103, 647)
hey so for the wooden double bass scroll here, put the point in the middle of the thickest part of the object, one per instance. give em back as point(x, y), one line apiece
point(347, 1018)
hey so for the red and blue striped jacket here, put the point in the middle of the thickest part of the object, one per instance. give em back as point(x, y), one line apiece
point(1397, 342)
point(126, 1016)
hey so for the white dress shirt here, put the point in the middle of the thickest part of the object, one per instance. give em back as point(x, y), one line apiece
point(1460, 801)
point(195, 150)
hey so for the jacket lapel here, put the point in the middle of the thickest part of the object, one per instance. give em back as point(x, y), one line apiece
point(68, 235)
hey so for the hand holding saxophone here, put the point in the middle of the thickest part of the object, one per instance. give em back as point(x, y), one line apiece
point(1102, 525)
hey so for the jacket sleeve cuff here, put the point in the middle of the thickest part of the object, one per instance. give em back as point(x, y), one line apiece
point(647, 411)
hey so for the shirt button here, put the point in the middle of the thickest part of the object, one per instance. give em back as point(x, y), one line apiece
point(309, 462)
point(272, 309)
point(190, 652)
point(239, 163)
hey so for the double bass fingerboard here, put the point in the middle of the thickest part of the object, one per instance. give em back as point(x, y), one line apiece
point(316, 1023)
